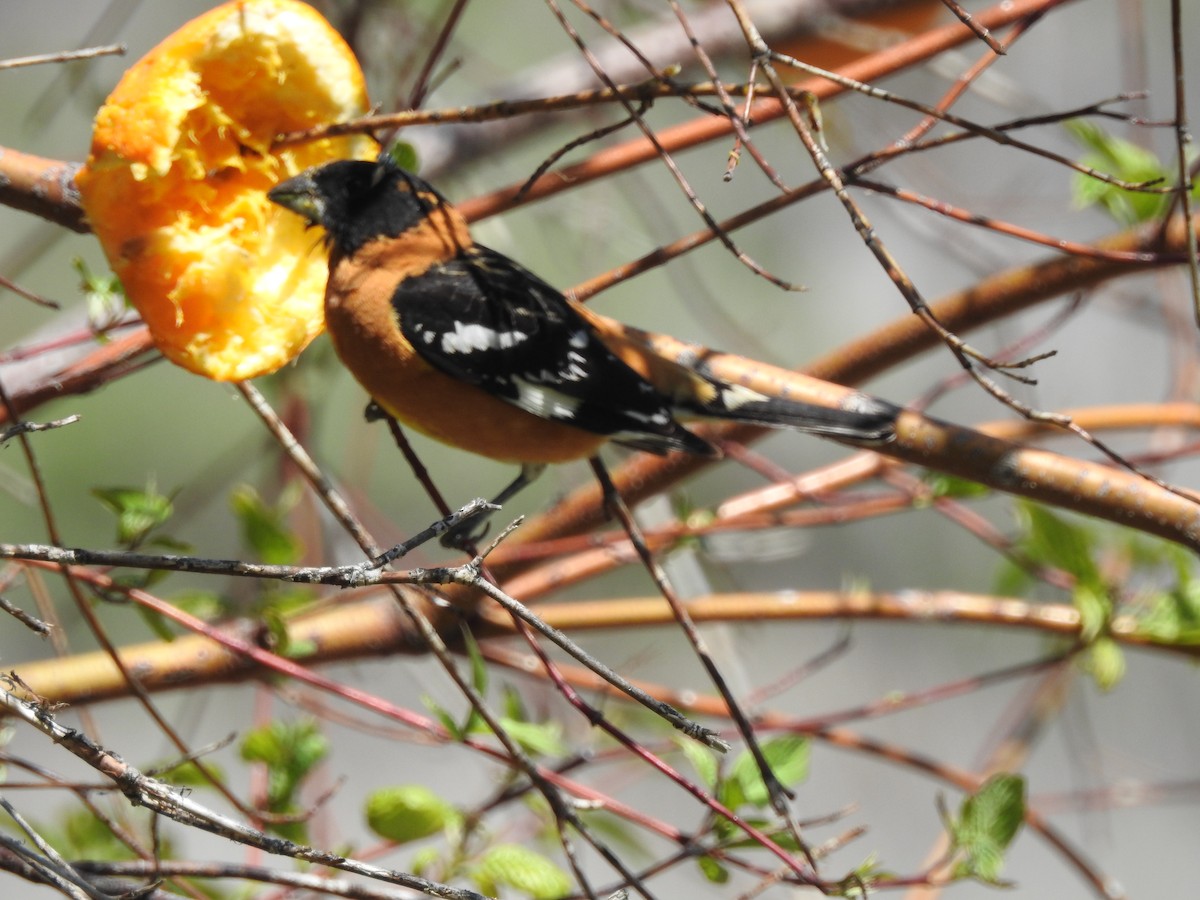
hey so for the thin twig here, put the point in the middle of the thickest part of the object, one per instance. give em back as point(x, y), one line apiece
point(516, 756)
point(642, 92)
point(168, 800)
point(971, 22)
point(778, 792)
point(740, 122)
point(1182, 142)
point(986, 131)
point(88, 613)
point(22, 427)
point(31, 622)
point(62, 56)
point(53, 861)
point(42, 869)
point(421, 84)
point(11, 285)
point(580, 141)
point(319, 885)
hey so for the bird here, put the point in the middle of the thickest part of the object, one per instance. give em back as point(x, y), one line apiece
point(467, 346)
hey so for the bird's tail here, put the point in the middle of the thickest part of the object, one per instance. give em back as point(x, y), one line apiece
point(857, 417)
point(708, 384)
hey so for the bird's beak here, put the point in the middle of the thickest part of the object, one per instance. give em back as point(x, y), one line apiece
point(300, 195)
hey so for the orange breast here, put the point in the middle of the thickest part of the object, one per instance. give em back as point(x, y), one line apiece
point(366, 335)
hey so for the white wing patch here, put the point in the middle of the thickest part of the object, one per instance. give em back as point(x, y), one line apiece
point(471, 338)
point(735, 395)
point(574, 370)
point(544, 401)
point(662, 417)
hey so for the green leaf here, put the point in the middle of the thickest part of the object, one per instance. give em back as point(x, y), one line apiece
point(290, 751)
point(479, 672)
point(712, 870)
point(616, 831)
point(308, 748)
point(942, 485)
point(997, 809)
point(703, 760)
point(988, 821)
point(475, 724)
point(139, 511)
point(1011, 580)
point(736, 838)
point(1182, 561)
point(1095, 612)
point(206, 605)
point(162, 627)
point(1055, 541)
point(423, 860)
point(514, 706)
point(81, 835)
point(188, 774)
point(732, 795)
point(1105, 662)
point(1124, 160)
point(1173, 615)
point(522, 870)
point(408, 813)
point(444, 716)
point(404, 155)
point(695, 518)
point(858, 883)
point(537, 738)
point(723, 830)
point(302, 649)
point(264, 527)
point(103, 295)
point(787, 757)
point(277, 632)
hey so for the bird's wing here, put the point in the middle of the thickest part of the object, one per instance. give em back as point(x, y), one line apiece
point(482, 318)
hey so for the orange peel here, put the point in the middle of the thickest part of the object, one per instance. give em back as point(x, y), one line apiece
point(175, 186)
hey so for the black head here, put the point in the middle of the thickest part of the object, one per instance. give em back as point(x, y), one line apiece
point(356, 201)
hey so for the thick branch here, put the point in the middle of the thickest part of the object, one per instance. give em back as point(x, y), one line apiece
point(44, 187)
point(374, 627)
point(990, 300)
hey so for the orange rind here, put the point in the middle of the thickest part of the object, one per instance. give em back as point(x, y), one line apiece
point(175, 186)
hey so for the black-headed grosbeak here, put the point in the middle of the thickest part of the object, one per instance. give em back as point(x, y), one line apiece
point(467, 346)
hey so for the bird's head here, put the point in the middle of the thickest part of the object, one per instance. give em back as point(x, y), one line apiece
point(357, 201)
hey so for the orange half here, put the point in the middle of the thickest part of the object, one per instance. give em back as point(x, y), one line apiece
point(175, 186)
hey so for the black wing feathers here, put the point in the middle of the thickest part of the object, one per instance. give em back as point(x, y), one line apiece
point(861, 417)
point(482, 318)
